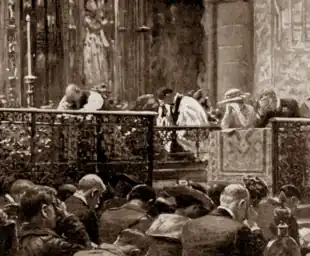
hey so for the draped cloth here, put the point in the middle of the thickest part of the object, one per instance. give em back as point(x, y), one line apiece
point(191, 113)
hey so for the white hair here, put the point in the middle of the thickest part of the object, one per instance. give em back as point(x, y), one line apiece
point(233, 193)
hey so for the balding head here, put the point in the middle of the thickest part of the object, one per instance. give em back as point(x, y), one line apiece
point(236, 198)
point(91, 187)
point(91, 181)
point(73, 92)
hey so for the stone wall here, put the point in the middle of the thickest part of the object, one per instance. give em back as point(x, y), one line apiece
point(282, 46)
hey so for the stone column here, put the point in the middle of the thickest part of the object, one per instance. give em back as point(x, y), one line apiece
point(229, 52)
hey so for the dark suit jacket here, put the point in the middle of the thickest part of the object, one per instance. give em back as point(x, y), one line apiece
point(218, 234)
point(87, 216)
point(114, 220)
point(288, 108)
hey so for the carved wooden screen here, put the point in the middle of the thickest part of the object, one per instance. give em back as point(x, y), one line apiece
point(10, 77)
point(57, 47)
point(133, 43)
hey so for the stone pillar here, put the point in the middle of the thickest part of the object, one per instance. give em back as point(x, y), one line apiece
point(229, 51)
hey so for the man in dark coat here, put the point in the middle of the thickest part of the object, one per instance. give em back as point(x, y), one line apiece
point(269, 105)
point(84, 201)
point(166, 230)
point(223, 231)
point(46, 219)
point(131, 215)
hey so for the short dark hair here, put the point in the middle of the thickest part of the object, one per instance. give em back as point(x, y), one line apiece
point(257, 188)
point(32, 201)
point(142, 192)
point(215, 192)
point(290, 191)
point(163, 92)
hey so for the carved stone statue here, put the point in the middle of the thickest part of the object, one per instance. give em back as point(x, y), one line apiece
point(96, 44)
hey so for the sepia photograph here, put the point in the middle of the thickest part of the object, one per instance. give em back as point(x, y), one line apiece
point(155, 128)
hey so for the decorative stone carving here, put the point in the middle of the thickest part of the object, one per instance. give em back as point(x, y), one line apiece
point(282, 46)
point(12, 40)
point(238, 153)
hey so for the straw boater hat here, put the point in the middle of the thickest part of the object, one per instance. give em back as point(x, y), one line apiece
point(234, 95)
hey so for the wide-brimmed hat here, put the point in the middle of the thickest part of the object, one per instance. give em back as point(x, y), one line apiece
point(234, 95)
point(187, 191)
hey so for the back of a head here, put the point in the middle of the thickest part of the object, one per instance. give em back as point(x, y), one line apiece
point(142, 192)
point(91, 181)
point(267, 92)
point(65, 191)
point(215, 192)
point(71, 91)
point(20, 186)
point(163, 92)
point(291, 191)
point(234, 193)
point(32, 201)
point(257, 188)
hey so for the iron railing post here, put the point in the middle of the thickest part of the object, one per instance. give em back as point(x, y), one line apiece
point(275, 155)
point(150, 150)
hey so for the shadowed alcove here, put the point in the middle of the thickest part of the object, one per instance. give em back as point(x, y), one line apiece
point(177, 55)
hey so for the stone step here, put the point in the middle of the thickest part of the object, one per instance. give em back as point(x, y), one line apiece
point(303, 223)
point(180, 173)
point(303, 211)
point(169, 176)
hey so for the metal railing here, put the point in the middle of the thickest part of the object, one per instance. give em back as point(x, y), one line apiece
point(291, 153)
point(182, 145)
point(44, 145)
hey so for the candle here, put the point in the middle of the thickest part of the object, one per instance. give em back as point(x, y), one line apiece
point(29, 45)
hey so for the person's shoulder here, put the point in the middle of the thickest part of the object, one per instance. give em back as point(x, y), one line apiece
point(289, 101)
point(213, 222)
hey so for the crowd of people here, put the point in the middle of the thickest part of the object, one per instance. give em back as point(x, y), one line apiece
point(188, 219)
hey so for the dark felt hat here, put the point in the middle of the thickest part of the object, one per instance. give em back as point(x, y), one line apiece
point(187, 191)
point(142, 192)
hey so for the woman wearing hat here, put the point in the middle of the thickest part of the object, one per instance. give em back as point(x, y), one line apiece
point(238, 114)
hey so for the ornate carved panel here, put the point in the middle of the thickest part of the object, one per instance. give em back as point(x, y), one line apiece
point(240, 152)
point(12, 76)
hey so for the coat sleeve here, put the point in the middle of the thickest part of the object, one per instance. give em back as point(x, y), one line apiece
point(295, 109)
point(250, 243)
point(191, 113)
point(74, 231)
point(63, 104)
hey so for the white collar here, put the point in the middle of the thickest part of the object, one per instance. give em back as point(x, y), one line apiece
point(176, 96)
point(278, 103)
point(227, 210)
point(81, 197)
